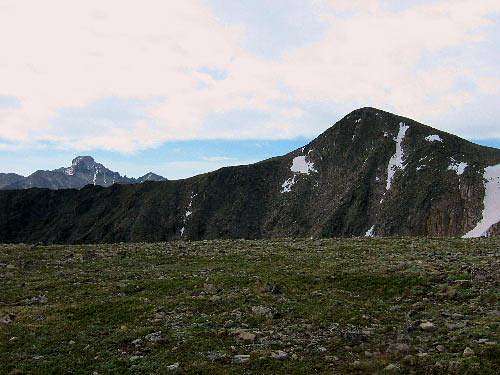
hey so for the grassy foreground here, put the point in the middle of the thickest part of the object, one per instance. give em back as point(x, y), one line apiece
point(268, 306)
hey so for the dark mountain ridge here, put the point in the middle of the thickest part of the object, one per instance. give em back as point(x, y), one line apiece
point(84, 170)
point(372, 173)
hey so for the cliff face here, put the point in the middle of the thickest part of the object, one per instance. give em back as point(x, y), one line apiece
point(372, 173)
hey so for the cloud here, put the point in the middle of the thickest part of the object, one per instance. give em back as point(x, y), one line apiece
point(217, 158)
point(376, 56)
point(124, 76)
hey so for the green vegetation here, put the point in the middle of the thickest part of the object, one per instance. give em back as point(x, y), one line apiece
point(292, 306)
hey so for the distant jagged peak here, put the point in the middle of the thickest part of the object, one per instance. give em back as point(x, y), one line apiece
point(83, 160)
point(81, 164)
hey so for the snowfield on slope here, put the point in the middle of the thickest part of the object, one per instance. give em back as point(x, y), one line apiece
point(287, 185)
point(458, 167)
point(433, 138)
point(301, 165)
point(369, 232)
point(491, 210)
point(396, 161)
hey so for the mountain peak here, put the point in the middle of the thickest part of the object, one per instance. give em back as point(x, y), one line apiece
point(83, 160)
point(373, 173)
point(84, 170)
point(151, 177)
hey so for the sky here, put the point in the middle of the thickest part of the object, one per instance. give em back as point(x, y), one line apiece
point(185, 87)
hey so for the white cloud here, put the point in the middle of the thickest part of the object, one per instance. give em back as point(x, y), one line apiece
point(217, 158)
point(69, 54)
point(374, 56)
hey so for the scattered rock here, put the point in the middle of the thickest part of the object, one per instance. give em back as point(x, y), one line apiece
point(137, 342)
point(159, 315)
point(391, 367)
point(215, 356)
point(241, 358)
point(402, 347)
point(173, 367)
point(280, 354)
point(209, 288)
point(273, 289)
point(262, 311)
point(409, 360)
point(7, 319)
point(154, 337)
point(453, 326)
point(427, 326)
point(468, 352)
point(367, 332)
point(38, 299)
point(245, 335)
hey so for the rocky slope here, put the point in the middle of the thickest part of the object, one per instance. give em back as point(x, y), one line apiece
point(373, 173)
point(83, 171)
point(7, 179)
point(277, 306)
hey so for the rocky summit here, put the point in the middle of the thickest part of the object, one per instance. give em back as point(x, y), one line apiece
point(84, 170)
point(371, 174)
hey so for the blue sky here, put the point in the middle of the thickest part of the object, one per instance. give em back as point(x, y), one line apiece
point(182, 88)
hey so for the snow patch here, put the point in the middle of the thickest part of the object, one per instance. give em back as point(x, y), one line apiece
point(188, 212)
point(458, 167)
point(301, 165)
point(491, 202)
point(369, 232)
point(433, 138)
point(287, 185)
point(70, 171)
point(96, 171)
point(396, 161)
